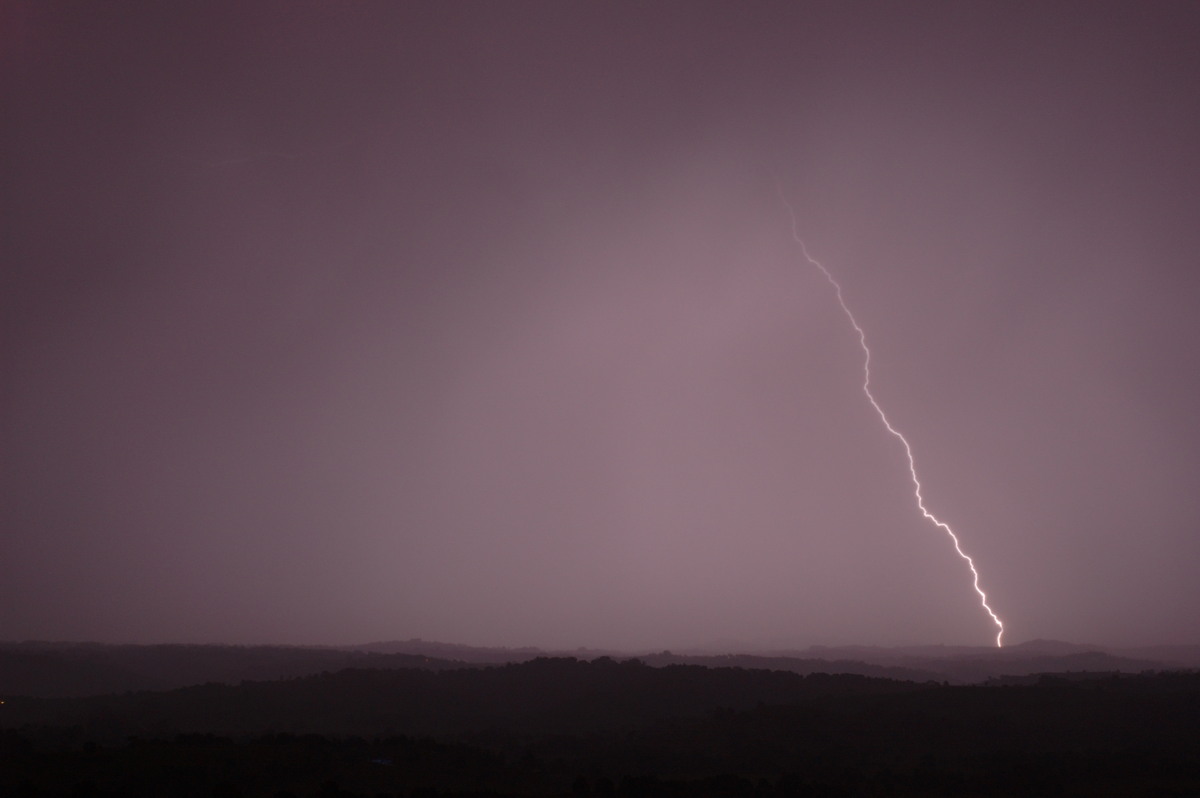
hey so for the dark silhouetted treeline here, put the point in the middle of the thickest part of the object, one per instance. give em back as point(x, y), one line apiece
point(81, 669)
point(563, 727)
point(546, 695)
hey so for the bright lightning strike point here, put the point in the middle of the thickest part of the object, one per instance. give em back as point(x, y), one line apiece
point(912, 465)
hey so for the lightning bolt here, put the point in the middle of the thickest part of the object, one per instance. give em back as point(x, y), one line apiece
point(912, 465)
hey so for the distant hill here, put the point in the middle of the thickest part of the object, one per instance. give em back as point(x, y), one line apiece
point(555, 726)
point(954, 664)
point(81, 669)
point(972, 664)
point(1174, 656)
point(803, 666)
point(545, 695)
point(463, 653)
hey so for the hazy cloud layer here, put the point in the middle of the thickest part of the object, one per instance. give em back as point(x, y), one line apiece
point(483, 322)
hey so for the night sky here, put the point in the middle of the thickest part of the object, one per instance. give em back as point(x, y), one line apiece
point(330, 322)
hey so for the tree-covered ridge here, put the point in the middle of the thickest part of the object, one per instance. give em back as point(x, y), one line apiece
point(558, 726)
point(543, 695)
point(82, 669)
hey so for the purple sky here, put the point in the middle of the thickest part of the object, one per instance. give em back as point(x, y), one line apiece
point(336, 322)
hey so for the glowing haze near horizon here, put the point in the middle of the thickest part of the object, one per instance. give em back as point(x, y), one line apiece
point(484, 322)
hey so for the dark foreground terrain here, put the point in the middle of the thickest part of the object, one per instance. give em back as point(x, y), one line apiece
point(561, 726)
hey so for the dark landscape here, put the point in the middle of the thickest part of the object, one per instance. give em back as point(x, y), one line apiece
point(1046, 719)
